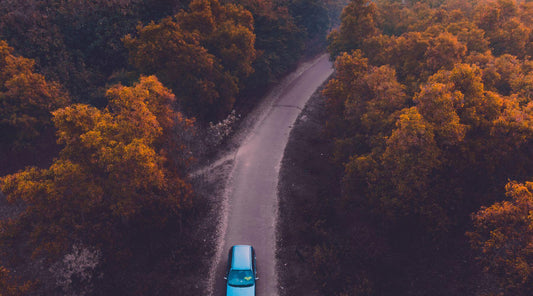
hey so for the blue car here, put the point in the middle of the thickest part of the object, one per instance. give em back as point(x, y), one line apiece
point(242, 273)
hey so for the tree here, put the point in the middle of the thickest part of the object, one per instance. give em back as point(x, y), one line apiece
point(167, 50)
point(112, 181)
point(438, 104)
point(464, 129)
point(470, 35)
point(202, 54)
point(503, 238)
point(477, 108)
point(227, 31)
point(279, 42)
point(444, 52)
point(26, 99)
point(358, 22)
point(312, 15)
point(77, 43)
point(411, 157)
point(363, 104)
point(504, 29)
point(376, 104)
point(340, 89)
point(397, 178)
point(500, 72)
point(409, 52)
point(9, 288)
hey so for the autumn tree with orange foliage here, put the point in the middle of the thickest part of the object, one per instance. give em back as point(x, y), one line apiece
point(357, 23)
point(503, 238)
point(218, 38)
point(26, 99)
point(430, 114)
point(78, 43)
point(465, 99)
point(505, 30)
point(112, 182)
point(227, 31)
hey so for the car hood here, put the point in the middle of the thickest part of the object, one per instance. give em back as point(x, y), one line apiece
point(238, 291)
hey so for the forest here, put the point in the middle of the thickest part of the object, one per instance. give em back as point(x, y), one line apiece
point(106, 106)
point(429, 125)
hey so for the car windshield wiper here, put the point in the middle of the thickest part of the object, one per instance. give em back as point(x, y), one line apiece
point(241, 286)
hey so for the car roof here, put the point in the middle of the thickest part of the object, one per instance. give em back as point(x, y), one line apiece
point(242, 257)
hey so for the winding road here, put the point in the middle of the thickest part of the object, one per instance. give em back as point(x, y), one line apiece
point(251, 203)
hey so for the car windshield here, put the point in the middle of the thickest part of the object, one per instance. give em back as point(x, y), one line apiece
point(241, 278)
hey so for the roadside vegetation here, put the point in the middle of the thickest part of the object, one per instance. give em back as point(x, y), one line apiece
point(106, 106)
point(429, 123)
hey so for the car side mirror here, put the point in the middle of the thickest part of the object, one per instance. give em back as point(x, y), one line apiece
point(226, 278)
point(256, 278)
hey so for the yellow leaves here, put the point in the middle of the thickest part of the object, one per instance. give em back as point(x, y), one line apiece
point(502, 23)
point(159, 100)
point(514, 126)
point(119, 142)
point(445, 51)
point(202, 54)
point(475, 107)
point(73, 121)
point(412, 145)
point(469, 34)
point(23, 186)
point(136, 119)
point(113, 168)
point(503, 237)
point(15, 66)
point(358, 23)
point(26, 99)
point(437, 103)
point(350, 66)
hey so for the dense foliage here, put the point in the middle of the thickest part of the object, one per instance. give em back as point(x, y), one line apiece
point(80, 43)
point(26, 100)
point(431, 115)
point(503, 234)
point(130, 86)
point(118, 177)
point(220, 41)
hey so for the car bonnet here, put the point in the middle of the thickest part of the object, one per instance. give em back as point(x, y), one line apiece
point(240, 291)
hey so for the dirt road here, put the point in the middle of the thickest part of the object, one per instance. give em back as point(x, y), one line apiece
point(250, 212)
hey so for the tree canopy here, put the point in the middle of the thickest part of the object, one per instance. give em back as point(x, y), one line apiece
point(112, 180)
point(26, 99)
point(429, 113)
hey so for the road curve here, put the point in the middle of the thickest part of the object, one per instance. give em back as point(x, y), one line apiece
point(251, 202)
